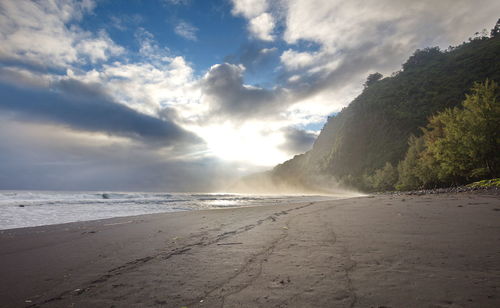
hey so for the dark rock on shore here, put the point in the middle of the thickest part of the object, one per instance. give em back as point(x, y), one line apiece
point(447, 190)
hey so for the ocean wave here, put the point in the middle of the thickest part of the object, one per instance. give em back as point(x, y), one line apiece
point(35, 208)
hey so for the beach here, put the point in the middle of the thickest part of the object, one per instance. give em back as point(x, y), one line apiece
point(374, 251)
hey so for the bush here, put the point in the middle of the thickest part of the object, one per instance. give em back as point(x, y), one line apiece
point(408, 168)
point(458, 145)
point(385, 178)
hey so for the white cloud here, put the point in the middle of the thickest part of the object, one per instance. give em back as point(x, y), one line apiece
point(186, 30)
point(149, 48)
point(37, 33)
point(123, 21)
point(177, 2)
point(98, 48)
point(268, 50)
point(349, 23)
point(340, 27)
point(260, 22)
point(157, 82)
point(294, 60)
point(262, 27)
point(249, 8)
point(146, 87)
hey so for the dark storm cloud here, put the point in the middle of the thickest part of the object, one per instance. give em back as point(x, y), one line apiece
point(86, 107)
point(228, 96)
point(297, 140)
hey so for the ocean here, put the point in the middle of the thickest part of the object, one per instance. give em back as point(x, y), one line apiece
point(19, 209)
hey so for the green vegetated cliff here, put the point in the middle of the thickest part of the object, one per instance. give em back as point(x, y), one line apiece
point(371, 136)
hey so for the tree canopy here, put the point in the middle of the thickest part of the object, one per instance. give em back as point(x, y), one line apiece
point(458, 145)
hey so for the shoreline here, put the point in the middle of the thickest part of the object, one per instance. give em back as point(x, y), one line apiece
point(148, 215)
point(46, 210)
point(381, 250)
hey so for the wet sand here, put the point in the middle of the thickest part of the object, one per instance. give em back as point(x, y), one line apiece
point(382, 251)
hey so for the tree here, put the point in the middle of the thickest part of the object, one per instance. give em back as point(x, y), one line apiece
point(447, 149)
point(384, 178)
point(458, 144)
point(496, 29)
point(372, 78)
point(470, 142)
point(479, 123)
point(408, 168)
point(422, 56)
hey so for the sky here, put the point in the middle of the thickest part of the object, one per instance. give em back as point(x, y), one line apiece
point(187, 95)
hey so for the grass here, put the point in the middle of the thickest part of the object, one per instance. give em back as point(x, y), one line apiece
point(485, 183)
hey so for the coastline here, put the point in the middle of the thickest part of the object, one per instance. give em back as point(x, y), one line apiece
point(23, 209)
point(383, 250)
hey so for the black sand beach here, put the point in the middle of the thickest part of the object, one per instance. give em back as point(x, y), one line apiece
point(382, 251)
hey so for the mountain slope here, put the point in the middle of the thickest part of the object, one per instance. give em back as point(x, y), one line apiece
point(375, 127)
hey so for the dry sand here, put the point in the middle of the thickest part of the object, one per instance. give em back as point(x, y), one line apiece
point(382, 251)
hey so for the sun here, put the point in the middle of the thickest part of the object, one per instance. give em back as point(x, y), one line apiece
point(251, 143)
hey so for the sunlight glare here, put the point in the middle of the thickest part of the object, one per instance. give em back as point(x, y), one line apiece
point(250, 143)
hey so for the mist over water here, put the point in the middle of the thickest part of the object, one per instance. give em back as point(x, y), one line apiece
point(267, 183)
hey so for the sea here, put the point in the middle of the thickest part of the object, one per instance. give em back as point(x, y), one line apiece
point(20, 209)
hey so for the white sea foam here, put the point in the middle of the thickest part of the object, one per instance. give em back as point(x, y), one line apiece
point(20, 209)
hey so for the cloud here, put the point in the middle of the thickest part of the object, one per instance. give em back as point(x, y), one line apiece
point(385, 33)
point(24, 77)
point(123, 21)
point(149, 48)
point(37, 33)
point(333, 45)
point(253, 56)
point(297, 140)
point(260, 23)
point(334, 26)
point(294, 60)
point(177, 2)
point(249, 8)
point(98, 48)
point(262, 27)
point(157, 81)
point(186, 30)
point(226, 94)
point(86, 107)
point(39, 156)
